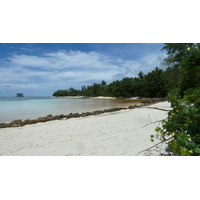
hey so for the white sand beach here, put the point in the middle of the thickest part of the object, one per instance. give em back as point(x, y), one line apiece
point(121, 133)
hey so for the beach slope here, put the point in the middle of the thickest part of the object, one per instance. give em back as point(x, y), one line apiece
point(121, 133)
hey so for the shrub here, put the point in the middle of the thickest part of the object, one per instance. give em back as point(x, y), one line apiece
point(183, 124)
point(191, 95)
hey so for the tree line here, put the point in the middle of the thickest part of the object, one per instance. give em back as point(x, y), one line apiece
point(156, 83)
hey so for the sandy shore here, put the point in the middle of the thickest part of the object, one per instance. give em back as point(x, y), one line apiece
point(122, 133)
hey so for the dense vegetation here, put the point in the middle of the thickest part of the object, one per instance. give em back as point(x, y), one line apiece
point(154, 84)
point(183, 122)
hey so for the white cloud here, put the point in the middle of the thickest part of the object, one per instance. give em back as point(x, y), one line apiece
point(29, 61)
point(64, 69)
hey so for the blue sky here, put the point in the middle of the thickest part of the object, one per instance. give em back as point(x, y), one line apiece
point(39, 69)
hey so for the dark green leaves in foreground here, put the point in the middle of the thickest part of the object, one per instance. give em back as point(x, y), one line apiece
point(183, 122)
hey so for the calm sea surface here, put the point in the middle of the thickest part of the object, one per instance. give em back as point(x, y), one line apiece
point(34, 107)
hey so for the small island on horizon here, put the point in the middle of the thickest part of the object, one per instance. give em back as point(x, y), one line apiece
point(19, 95)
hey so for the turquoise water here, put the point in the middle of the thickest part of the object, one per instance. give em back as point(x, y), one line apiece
point(34, 107)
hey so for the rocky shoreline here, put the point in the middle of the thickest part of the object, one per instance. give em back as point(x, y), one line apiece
point(19, 122)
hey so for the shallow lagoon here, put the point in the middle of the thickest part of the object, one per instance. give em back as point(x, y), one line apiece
point(34, 107)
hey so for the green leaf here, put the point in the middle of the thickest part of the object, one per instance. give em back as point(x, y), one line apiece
point(190, 145)
point(185, 151)
point(180, 137)
point(152, 140)
point(151, 136)
point(186, 111)
point(194, 109)
point(157, 129)
point(197, 150)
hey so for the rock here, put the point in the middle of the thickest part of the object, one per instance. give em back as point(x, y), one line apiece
point(42, 119)
point(78, 115)
point(49, 117)
point(16, 123)
point(89, 113)
point(56, 117)
point(84, 115)
point(61, 116)
point(3, 125)
point(131, 107)
point(146, 100)
point(74, 115)
point(27, 121)
point(67, 117)
point(97, 112)
point(137, 106)
point(34, 121)
point(116, 109)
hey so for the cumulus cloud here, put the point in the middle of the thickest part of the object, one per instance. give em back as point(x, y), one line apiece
point(63, 69)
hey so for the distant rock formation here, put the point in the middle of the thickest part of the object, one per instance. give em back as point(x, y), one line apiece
point(20, 95)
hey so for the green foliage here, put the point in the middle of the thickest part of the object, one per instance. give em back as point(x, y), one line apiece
point(183, 122)
point(173, 95)
point(190, 74)
point(72, 92)
point(176, 52)
point(191, 94)
point(69, 92)
point(149, 85)
point(171, 77)
point(103, 83)
point(61, 93)
point(152, 138)
point(126, 87)
point(154, 85)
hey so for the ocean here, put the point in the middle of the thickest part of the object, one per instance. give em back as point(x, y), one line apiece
point(14, 108)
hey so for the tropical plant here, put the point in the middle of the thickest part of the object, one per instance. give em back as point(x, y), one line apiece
point(183, 122)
